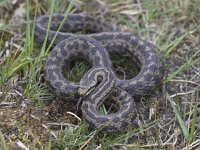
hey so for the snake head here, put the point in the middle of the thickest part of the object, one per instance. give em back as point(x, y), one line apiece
point(86, 86)
point(94, 78)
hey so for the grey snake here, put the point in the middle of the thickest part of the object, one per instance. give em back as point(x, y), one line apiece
point(95, 46)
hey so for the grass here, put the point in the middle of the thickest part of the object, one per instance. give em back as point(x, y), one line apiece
point(3, 142)
point(172, 26)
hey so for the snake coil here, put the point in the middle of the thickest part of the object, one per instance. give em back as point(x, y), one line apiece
point(95, 48)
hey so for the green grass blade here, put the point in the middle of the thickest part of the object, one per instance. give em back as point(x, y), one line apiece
point(129, 134)
point(186, 65)
point(16, 68)
point(171, 46)
point(194, 120)
point(69, 8)
point(180, 120)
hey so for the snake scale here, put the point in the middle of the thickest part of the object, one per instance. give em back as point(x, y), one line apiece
point(100, 81)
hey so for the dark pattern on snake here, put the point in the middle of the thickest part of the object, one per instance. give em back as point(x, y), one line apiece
point(90, 47)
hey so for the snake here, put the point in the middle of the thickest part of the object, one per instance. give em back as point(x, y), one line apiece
point(96, 45)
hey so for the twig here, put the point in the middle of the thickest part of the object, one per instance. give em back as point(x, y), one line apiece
point(180, 94)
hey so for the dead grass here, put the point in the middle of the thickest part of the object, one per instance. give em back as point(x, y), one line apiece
point(31, 116)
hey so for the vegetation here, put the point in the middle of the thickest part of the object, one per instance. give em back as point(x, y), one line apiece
point(31, 117)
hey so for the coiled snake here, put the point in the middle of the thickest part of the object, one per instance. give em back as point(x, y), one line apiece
point(95, 48)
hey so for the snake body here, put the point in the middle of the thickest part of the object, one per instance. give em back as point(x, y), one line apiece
point(113, 122)
point(95, 48)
